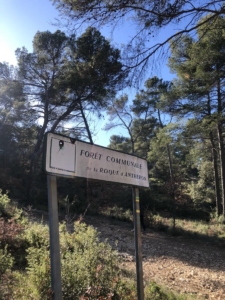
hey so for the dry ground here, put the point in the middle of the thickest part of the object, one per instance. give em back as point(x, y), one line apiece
point(184, 265)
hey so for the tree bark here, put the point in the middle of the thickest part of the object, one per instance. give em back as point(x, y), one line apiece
point(172, 186)
point(222, 164)
point(215, 163)
point(220, 143)
point(86, 123)
point(37, 149)
point(216, 177)
point(173, 206)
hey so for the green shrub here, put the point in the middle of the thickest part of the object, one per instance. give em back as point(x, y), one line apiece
point(6, 261)
point(118, 213)
point(4, 203)
point(36, 235)
point(35, 283)
point(7, 208)
point(155, 292)
point(89, 267)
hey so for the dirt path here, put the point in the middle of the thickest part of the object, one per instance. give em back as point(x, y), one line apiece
point(186, 266)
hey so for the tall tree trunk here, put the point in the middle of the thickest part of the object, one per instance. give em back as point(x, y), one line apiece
point(86, 123)
point(132, 144)
point(172, 186)
point(215, 163)
point(38, 148)
point(220, 143)
point(222, 164)
point(216, 176)
point(173, 206)
point(33, 161)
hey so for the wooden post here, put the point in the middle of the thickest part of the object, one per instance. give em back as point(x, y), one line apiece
point(54, 238)
point(137, 237)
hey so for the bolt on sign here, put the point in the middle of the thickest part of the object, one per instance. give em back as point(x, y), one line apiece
point(68, 157)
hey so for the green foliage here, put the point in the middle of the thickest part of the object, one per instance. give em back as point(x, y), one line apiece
point(199, 63)
point(9, 209)
point(6, 260)
point(71, 79)
point(202, 191)
point(89, 267)
point(38, 273)
point(120, 143)
point(157, 292)
point(36, 235)
point(35, 283)
point(4, 203)
point(217, 220)
point(212, 231)
point(147, 19)
point(119, 213)
point(6, 263)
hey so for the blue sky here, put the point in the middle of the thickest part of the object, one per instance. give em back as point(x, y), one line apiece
point(21, 19)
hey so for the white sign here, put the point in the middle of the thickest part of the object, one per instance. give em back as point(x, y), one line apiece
point(69, 157)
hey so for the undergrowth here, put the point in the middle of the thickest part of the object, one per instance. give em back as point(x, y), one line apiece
point(212, 231)
point(118, 213)
point(90, 269)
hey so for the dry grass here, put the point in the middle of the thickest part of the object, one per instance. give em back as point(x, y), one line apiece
point(213, 230)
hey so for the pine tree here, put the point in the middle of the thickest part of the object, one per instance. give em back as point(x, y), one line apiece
point(200, 67)
point(147, 19)
point(65, 79)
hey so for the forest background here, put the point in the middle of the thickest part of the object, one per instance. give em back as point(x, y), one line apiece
point(73, 77)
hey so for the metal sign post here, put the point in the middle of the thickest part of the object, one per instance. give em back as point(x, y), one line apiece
point(54, 238)
point(68, 157)
point(137, 237)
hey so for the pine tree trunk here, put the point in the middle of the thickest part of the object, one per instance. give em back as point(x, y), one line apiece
point(38, 148)
point(86, 124)
point(216, 177)
point(172, 186)
point(222, 164)
point(173, 204)
point(220, 143)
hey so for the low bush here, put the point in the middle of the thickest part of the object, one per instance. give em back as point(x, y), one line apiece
point(212, 231)
point(118, 213)
point(154, 291)
point(7, 208)
point(89, 267)
point(6, 261)
point(36, 235)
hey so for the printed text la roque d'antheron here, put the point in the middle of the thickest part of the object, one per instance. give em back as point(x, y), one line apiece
point(125, 162)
